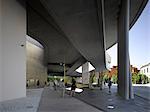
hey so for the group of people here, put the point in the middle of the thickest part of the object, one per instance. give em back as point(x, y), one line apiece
point(73, 86)
point(37, 83)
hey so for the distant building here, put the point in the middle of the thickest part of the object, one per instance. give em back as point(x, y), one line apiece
point(134, 69)
point(145, 69)
point(108, 61)
point(114, 70)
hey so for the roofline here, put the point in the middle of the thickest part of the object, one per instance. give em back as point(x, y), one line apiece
point(139, 12)
point(145, 65)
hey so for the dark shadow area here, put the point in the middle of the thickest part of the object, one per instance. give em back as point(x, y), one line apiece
point(102, 98)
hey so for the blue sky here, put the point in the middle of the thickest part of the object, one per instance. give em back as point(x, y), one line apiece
point(139, 41)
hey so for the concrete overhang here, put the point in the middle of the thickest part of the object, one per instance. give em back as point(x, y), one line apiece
point(71, 31)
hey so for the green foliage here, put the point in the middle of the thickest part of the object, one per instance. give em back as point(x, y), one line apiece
point(144, 79)
point(105, 77)
point(68, 79)
point(139, 78)
point(114, 79)
point(134, 78)
point(52, 78)
point(92, 78)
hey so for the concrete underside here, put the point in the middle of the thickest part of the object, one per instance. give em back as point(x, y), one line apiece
point(71, 31)
point(77, 30)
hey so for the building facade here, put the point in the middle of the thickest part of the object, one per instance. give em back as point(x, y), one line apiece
point(145, 69)
point(114, 70)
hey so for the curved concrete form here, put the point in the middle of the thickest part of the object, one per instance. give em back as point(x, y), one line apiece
point(72, 32)
point(75, 29)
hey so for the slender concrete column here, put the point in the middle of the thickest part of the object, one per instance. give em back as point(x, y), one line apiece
point(0, 51)
point(124, 83)
point(131, 93)
point(101, 80)
point(91, 79)
point(85, 73)
point(97, 77)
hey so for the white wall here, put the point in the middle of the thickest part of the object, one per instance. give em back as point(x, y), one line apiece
point(147, 73)
point(0, 56)
point(13, 55)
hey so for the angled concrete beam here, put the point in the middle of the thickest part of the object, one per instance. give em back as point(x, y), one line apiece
point(77, 64)
point(82, 26)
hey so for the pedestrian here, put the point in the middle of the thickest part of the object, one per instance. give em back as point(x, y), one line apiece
point(27, 83)
point(73, 87)
point(54, 85)
point(45, 83)
point(109, 84)
point(38, 83)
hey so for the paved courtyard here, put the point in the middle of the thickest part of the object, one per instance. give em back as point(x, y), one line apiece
point(52, 101)
point(46, 100)
point(95, 100)
point(101, 99)
point(142, 90)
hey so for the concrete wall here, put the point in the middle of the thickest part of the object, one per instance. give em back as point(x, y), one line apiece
point(13, 35)
point(36, 70)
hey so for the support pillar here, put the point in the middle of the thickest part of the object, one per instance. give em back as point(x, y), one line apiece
point(0, 51)
point(101, 80)
point(85, 73)
point(124, 80)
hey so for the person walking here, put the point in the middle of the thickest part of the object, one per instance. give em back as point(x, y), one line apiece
point(109, 85)
point(54, 85)
point(38, 83)
point(73, 87)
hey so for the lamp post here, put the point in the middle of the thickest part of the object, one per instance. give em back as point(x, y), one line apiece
point(64, 79)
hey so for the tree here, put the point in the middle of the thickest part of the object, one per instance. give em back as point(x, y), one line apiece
point(139, 78)
point(134, 78)
point(144, 79)
point(105, 78)
point(114, 78)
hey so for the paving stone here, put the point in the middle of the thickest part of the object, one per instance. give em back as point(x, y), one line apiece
point(27, 104)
